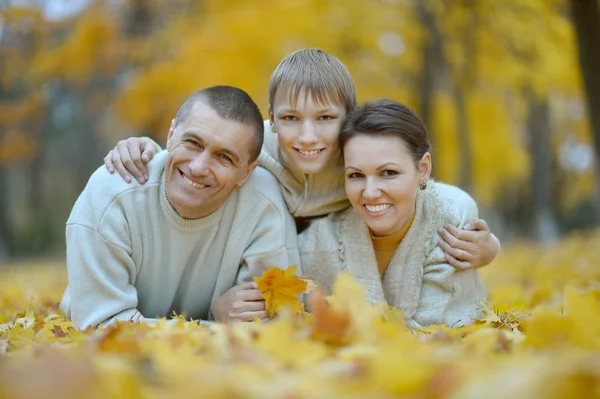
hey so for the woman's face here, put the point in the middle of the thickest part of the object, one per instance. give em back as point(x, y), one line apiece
point(308, 131)
point(382, 181)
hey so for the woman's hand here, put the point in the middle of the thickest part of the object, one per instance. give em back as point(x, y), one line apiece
point(130, 157)
point(244, 302)
point(473, 246)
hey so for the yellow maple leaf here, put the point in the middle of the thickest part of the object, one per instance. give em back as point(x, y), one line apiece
point(280, 289)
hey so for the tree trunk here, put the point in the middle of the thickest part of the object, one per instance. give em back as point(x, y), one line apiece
point(545, 227)
point(431, 65)
point(586, 20)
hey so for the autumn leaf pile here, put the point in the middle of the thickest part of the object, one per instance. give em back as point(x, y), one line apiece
point(539, 338)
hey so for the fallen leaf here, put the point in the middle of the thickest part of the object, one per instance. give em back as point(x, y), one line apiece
point(280, 288)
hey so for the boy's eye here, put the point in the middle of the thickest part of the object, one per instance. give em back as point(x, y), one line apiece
point(355, 175)
point(389, 173)
point(290, 118)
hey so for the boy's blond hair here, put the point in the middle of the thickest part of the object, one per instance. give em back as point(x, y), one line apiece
point(322, 75)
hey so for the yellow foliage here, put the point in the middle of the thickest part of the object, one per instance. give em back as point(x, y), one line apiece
point(280, 289)
point(538, 337)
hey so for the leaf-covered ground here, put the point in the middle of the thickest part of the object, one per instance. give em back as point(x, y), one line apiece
point(540, 338)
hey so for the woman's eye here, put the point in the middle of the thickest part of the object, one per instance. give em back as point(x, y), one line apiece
point(355, 175)
point(290, 118)
point(389, 173)
point(326, 118)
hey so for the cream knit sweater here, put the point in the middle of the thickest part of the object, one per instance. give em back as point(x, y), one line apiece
point(305, 195)
point(130, 255)
point(418, 280)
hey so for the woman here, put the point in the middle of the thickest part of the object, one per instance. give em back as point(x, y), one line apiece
point(388, 240)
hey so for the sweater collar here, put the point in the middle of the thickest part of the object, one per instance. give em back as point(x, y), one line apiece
point(188, 225)
point(401, 285)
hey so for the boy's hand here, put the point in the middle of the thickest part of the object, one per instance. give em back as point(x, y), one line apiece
point(473, 246)
point(130, 157)
point(244, 302)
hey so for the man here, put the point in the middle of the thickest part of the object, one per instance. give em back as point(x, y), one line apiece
point(206, 221)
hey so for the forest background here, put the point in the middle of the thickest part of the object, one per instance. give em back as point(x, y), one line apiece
point(510, 91)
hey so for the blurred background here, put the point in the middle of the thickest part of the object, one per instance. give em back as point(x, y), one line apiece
point(510, 91)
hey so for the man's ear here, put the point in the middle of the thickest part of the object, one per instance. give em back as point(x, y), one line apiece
point(425, 167)
point(272, 119)
point(170, 139)
point(251, 168)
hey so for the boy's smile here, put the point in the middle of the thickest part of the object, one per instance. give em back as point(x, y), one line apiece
point(307, 130)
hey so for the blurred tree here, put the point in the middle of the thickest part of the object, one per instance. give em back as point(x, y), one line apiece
point(586, 18)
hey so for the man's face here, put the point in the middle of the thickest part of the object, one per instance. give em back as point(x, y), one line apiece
point(208, 157)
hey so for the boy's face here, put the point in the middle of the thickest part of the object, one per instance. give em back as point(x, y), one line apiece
point(308, 131)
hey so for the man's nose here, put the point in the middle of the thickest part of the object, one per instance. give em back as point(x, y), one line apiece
point(371, 190)
point(308, 135)
point(200, 165)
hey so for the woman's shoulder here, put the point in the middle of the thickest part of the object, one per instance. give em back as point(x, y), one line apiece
point(452, 200)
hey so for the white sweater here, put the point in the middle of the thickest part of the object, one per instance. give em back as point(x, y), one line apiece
point(305, 195)
point(129, 254)
point(417, 280)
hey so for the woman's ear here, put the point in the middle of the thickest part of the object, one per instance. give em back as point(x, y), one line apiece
point(272, 119)
point(425, 167)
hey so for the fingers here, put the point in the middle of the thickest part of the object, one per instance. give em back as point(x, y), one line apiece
point(456, 238)
point(118, 164)
point(148, 152)
point(240, 307)
point(250, 316)
point(455, 253)
point(131, 158)
point(251, 295)
point(109, 163)
point(460, 265)
point(477, 225)
point(247, 286)
point(140, 172)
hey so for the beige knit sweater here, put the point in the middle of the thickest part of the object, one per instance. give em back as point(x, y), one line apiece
point(305, 195)
point(418, 280)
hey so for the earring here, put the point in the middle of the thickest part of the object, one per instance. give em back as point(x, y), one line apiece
point(423, 186)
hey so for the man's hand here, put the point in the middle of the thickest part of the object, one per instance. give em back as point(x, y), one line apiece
point(130, 157)
point(243, 302)
point(473, 246)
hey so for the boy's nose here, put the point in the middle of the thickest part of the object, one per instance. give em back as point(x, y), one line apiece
point(308, 134)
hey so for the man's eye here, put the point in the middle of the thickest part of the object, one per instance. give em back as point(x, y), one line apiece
point(192, 142)
point(225, 158)
point(290, 118)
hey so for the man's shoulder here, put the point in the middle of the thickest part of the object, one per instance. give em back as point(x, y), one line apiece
point(104, 188)
point(263, 182)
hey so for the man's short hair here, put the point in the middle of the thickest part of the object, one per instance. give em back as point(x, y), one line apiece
point(322, 75)
point(233, 104)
